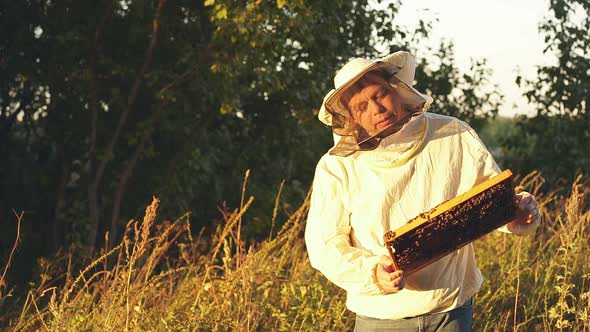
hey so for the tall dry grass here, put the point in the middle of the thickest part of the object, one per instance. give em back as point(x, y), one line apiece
point(540, 282)
point(162, 277)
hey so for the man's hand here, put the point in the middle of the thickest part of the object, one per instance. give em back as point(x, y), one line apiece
point(387, 278)
point(528, 217)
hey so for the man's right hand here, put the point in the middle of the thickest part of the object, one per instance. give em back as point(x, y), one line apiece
point(387, 278)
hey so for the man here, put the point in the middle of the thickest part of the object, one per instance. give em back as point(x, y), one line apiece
point(392, 161)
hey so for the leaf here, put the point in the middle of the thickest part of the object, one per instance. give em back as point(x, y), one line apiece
point(221, 13)
point(209, 3)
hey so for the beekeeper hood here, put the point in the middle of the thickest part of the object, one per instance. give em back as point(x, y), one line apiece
point(398, 69)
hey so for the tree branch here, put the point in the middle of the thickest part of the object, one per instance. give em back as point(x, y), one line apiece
point(121, 187)
point(56, 217)
point(94, 85)
point(178, 79)
point(92, 183)
point(133, 93)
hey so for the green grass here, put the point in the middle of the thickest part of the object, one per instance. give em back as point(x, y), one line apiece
point(163, 277)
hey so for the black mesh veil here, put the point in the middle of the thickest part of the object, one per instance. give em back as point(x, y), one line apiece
point(353, 137)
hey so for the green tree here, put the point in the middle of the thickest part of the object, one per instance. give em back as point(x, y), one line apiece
point(559, 135)
point(469, 95)
point(105, 104)
point(112, 102)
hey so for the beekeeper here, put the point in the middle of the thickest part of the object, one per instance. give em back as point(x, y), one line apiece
point(391, 161)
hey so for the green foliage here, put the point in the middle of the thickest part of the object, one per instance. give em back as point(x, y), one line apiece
point(556, 144)
point(469, 96)
point(498, 134)
point(563, 88)
point(559, 135)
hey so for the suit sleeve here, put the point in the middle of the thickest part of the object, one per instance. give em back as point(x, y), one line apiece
point(327, 237)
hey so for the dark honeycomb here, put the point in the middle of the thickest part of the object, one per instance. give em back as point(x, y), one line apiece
point(453, 228)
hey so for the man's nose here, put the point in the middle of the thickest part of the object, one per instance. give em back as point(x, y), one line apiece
point(376, 107)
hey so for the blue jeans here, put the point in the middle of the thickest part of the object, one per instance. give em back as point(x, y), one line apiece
point(456, 320)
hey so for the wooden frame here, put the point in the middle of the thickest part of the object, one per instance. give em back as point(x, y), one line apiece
point(452, 224)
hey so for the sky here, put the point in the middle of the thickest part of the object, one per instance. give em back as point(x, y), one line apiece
point(504, 32)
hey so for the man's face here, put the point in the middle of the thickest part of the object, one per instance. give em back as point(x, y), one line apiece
point(376, 106)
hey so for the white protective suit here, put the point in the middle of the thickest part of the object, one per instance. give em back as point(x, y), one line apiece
point(356, 199)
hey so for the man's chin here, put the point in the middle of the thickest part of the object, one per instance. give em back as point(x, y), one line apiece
point(392, 128)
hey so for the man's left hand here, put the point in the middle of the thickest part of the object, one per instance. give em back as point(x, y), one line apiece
point(528, 217)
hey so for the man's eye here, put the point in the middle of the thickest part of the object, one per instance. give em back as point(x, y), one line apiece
point(361, 107)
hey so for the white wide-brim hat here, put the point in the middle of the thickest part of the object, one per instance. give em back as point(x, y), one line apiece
point(401, 66)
